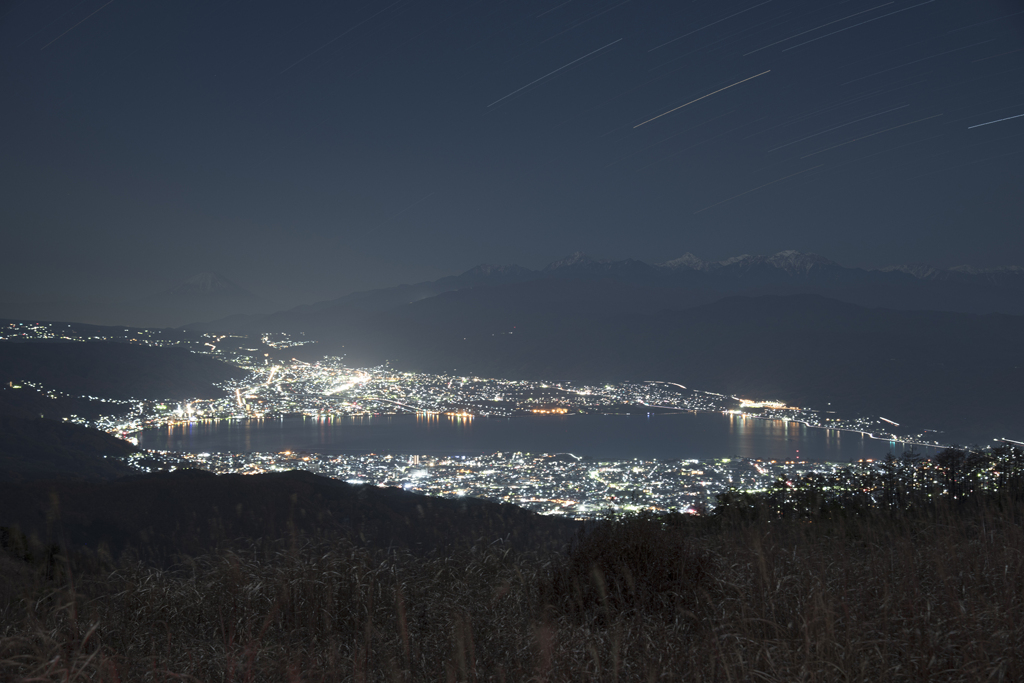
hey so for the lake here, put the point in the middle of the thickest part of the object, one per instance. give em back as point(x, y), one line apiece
point(595, 437)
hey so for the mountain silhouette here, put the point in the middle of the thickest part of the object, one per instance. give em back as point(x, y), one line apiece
point(201, 297)
point(114, 370)
point(161, 517)
point(41, 449)
point(688, 281)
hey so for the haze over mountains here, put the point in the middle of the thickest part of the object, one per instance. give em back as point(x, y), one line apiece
point(204, 296)
point(689, 281)
point(210, 296)
point(932, 348)
point(938, 348)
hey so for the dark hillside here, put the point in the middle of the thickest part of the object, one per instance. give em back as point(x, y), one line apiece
point(112, 370)
point(189, 512)
point(937, 596)
point(35, 449)
point(26, 401)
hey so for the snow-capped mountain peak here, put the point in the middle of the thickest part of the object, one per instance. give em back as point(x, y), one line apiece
point(576, 258)
point(687, 260)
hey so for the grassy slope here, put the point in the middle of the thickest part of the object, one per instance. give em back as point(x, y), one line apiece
point(927, 599)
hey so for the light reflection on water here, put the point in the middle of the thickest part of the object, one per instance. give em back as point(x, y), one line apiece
point(596, 437)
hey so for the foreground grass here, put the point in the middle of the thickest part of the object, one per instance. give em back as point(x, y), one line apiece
point(929, 598)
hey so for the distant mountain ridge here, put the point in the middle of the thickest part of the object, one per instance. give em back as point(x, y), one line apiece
point(209, 284)
point(963, 273)
point(687, 260)
point(938, 347)
point(690, 281)
point(200, 297)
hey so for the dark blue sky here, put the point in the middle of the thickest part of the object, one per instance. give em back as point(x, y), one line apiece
point(308, 149)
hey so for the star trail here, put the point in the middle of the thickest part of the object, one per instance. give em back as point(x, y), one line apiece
point(310, 149)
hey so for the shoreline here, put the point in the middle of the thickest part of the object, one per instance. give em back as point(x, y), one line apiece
point(808, 425)
point(669, 410)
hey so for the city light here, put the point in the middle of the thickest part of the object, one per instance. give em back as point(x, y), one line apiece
point(549, 483)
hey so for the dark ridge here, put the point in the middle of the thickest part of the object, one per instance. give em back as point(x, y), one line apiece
point(37, 449)
point(207, 285)
point(112, 370)
point(962, 289)
point(160, 517)
point(201, 297)
point(25, 401)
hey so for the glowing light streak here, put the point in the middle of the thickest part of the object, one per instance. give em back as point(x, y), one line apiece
point(811, 30)
point(996, 121)
point(721, 42)
point(979, 161)
point(848, 142)
point(74, 27)
point(918, 60)
point(829, 130)
point(708, 26)
point(577, 25)
point(338, 37)
point(553, 72)
point(856, 25)
point(419, 201)
point(701, 98)
point(989, 21)
point(553, 9)
point(758, 188)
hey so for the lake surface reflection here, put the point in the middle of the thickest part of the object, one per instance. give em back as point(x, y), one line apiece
point(594, 437)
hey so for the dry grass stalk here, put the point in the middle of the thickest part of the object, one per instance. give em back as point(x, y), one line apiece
point(904, 600)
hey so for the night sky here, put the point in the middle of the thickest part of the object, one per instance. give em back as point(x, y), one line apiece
point(309, 149)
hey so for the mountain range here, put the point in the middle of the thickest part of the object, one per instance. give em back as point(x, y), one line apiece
point(930, 347)
point(202, 296)
point(689, 281)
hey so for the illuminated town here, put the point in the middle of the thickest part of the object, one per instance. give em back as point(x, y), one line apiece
point(279, 387)
point(561, 484)
point(558, 484)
